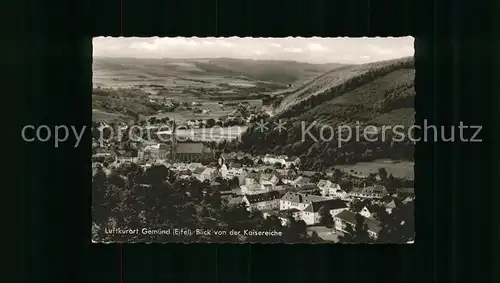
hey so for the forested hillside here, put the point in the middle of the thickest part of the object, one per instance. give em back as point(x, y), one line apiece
point(379, 94)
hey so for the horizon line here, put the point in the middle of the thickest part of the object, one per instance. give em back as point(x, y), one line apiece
point(248, 59)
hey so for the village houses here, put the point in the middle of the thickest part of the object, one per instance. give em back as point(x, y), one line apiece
point(309, 206)
point(298, 200)
point(331, 189)
point(257, 182)
point(205, 173)
point(231, 172)
point(373, 192)
point(272, 159)
point(282, 159)
point(311, 214)
point(263, 201)
point(300, 181)
point(193, 165)
point(347, 217)
point(293, 161)
point(155, 151)
point(271, 178)
point(284, 215)
point(390, 206)
point(366, 212)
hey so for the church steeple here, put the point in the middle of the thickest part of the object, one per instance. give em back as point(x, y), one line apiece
point(221, 161)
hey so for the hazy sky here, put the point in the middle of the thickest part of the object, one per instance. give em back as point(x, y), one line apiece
point(313, 50)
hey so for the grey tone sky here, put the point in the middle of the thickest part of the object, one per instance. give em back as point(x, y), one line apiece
point(312, 50)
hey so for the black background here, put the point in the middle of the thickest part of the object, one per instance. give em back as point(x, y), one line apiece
point(47, 206)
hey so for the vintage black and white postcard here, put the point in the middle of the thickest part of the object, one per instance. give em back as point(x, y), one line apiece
point(253, 140)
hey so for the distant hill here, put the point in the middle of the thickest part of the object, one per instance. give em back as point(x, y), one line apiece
point(135, 69)
point(287, 72)
point(379, 94)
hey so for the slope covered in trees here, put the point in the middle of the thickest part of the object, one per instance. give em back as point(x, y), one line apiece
point(379, 94)
point(335, 83)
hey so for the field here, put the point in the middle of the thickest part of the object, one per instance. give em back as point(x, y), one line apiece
point(402, 169)
point(215, 111)
point(207, 73)
point(99, 115)
point(133, 84)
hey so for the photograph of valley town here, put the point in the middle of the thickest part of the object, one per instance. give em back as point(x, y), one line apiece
point(253, 140)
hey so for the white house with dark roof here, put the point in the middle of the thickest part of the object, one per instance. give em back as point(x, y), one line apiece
point(259, 183)
point(309, 188)
point(329, 188)
point(192, 166)
point(191, 151)
point(366, 212)
point(251, 189)
point(204, 173)
point(252, 178)
point(272, 159)
point(269, 159)
point(298, 200)
point(347, 217)
point(301, 180)
point(311, 214)
point(266, 186)
point(263, 201)
point(287, 177)
point(372, 192)
point(284, 215)
point(271, 178)
point(239, 173)
point(157, 150)
point(230, 172)
point(310, 205)
point(390, 206)
point(324, 186)
point(295, 161)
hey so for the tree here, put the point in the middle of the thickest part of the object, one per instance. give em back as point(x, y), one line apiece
point(357, 205)
point(399, 226)
point(357, 234)
point(382, 174)
point(247, 161)
point(346, 185)
point(326, 218)
point(210, 123)
point(337, 174)
point(317, 177)
point(272, 223)
point(371, 178)
point(234, 183)
point(295, 232)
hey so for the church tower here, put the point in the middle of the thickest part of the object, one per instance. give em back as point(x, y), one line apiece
point(221, 161)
